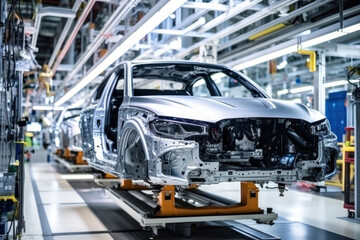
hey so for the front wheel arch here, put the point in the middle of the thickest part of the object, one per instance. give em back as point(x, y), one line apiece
point(132, 151)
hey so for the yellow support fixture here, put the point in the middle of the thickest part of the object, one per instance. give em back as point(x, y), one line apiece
point(312, 63)
point(267, 31)
point(5, 198)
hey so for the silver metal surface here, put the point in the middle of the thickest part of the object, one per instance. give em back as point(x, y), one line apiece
point(319, 89)
point(140, 154)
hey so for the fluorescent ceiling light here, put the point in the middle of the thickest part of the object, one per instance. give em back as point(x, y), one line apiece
point(47, 107)
point(82, 176)
point(282, 92)
point(141, 29)
point(302, 89)
point(339, 83)
point(282, 65)
point(336, 83)
point(311, 88)
point(294, 48)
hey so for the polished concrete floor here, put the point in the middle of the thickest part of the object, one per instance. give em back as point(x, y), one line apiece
point(63, 205)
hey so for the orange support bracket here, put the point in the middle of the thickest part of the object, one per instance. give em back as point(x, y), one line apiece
point(110, 176)
point(127, 184)
point(67, 153)
point(79, 158)
point(248, 204)
point(58, 152)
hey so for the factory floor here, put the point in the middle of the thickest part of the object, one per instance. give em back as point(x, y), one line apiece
point(64, 205)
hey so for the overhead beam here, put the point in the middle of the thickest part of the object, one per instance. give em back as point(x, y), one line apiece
point(153, 18)
point(64, 33)
point(235, 10)
point(49, 11)
point(341, 50)
point(313, 39)
point(187, 21)
point(259, 46)
point(123, 9)
point(72, 36)
point(273, 23)
point(236, 27)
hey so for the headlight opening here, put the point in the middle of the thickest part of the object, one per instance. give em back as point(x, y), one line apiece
point(176, 129)
point(322, 128)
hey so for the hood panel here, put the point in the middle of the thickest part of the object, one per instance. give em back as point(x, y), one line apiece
point(214, 109)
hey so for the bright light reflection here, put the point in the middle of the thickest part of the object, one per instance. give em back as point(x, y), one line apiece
point(77, 176)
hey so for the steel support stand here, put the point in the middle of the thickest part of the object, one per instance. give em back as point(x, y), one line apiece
point(357, 155)
point(319, 89)
point(356, 94)
point(21, 221)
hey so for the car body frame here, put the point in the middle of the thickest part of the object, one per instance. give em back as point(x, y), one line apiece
point(64, 130)
point(171, 137)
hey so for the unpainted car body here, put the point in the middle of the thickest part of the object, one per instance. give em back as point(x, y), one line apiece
point(70, 134)
point(177, 123)
point(65, 131)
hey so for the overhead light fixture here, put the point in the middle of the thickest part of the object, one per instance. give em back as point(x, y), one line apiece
point(282, 92)
point(294, 48)
point(47, 108)
point(302, 89)
point(282, 65)
point(336, 83)
point(156, 15)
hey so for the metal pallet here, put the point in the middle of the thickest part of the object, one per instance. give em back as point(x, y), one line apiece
point(142, 208)
point(72, 167)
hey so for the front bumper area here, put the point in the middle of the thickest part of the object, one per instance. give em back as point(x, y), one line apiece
point(177, 162)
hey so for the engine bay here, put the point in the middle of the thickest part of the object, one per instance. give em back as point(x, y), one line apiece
point(240, 144)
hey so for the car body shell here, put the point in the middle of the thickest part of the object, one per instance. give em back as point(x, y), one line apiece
point(141, 154)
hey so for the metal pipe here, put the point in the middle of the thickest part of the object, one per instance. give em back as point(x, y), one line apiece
point(341, 13)
point(71, 38)
point(273, 23)
point(184, 23)
point(49, 11)
point(237, 26)
point(267, 31)
point(65, 31)
point(297, 30)
point(227, 15)
point(153, 18)
point(290, 43)
point(114, 19)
